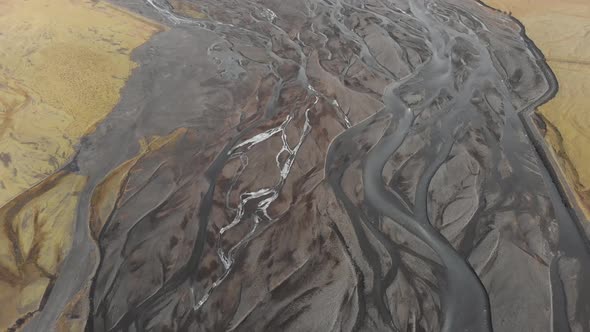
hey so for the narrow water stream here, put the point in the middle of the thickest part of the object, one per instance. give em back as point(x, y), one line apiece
point(355, 165)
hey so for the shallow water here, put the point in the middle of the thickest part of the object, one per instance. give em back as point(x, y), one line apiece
point(322, 166)
point(62, 64)
point(561, 30)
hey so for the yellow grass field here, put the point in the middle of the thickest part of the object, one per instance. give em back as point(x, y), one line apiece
point(561, 29)
point(62, 65)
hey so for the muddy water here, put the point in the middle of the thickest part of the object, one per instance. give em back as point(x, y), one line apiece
point(322, 166)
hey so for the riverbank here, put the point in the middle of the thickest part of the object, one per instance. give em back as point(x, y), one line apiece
point(562, 32)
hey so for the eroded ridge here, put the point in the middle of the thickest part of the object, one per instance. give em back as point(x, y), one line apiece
point(334, 165)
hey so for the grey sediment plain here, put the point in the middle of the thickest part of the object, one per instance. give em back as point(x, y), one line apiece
point(341, 165)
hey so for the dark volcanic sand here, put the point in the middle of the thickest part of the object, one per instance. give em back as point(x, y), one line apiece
point(336, 165)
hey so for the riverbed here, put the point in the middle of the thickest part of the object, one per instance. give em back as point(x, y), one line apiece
point(329, 165)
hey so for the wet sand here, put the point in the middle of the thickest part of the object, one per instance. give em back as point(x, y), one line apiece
point(321, 166)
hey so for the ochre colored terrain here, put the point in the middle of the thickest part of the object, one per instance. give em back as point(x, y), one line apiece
point(108, 192)
point(561, 29)
point(187, 9)
point(62, 64)
point(35, 236)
